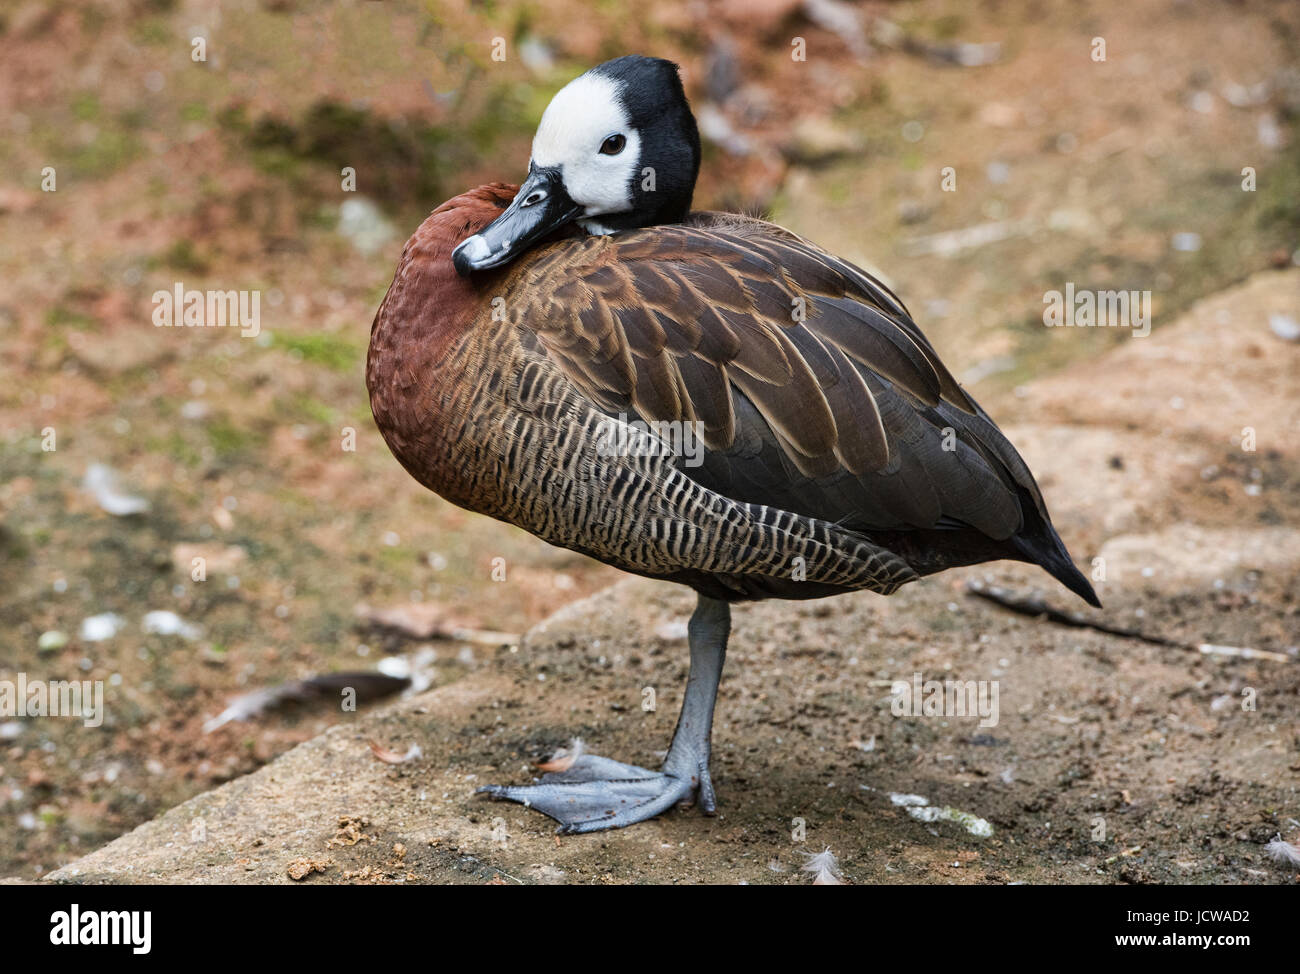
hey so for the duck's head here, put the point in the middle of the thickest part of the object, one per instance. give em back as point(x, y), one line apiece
point(617, 148)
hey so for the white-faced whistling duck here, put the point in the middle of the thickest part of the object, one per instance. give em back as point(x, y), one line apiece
point(540, 346)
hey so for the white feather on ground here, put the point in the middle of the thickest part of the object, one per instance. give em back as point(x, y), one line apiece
point(365, 685)
point(1281, 851)
point(389, 756)
point(825, 867)
point(103, 484)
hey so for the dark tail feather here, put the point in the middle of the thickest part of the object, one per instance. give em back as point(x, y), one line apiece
point(1049, 553)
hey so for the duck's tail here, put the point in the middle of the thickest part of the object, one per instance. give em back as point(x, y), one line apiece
point(1046, 549)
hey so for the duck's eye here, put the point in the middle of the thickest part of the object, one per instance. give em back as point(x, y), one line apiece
point(613, 145)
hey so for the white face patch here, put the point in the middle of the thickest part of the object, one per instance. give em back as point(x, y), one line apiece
point(581, 116)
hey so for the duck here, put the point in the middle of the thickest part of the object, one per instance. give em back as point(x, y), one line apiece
point(547, 352)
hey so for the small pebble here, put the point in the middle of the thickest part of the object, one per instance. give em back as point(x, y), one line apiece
point(51, 641)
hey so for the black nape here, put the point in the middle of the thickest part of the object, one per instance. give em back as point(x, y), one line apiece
point(656, 106)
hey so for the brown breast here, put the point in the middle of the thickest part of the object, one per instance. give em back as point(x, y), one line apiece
point(427, 308)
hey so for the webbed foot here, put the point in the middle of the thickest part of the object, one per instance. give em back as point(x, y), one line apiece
point(596, 793)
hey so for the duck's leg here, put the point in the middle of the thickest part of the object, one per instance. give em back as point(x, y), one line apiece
point(597, 793)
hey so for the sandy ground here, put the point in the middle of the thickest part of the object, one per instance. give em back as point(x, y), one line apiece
point(1113, 760)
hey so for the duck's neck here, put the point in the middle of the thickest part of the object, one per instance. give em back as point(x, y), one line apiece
point(668, 211)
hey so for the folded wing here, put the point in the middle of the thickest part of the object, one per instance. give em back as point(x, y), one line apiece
point(815, 391)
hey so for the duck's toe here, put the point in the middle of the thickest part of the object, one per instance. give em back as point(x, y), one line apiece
point(596, 793)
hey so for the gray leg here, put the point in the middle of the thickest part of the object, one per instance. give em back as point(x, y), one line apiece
point(597, 793)
point(688, 756)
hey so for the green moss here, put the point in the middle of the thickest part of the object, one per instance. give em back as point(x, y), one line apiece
point(177, 447)
point(948, 26)
point(321, 348)
point(85, 107)
point(230, 440)
point(396, 557)
point(183, 256)
point(1278, 191)
point(312, 412)
point(109, 151)
point(152, 31)
point(12, 546)
point(61, 316)
point(913, 160)
point(279, 163)
point(323, 217)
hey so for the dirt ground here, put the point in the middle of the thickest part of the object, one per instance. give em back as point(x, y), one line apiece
point(225, 175)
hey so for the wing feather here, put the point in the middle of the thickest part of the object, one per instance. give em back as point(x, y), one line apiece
point(816, 391)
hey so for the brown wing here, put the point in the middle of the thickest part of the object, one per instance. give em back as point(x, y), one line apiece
point(815, 390)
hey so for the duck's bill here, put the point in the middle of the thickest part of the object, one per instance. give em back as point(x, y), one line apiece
point(540, 207)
